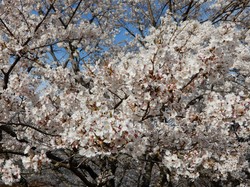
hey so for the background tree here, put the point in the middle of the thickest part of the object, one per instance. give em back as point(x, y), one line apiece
point(168, 105)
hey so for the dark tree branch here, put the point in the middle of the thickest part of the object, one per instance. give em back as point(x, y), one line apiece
point(52, 52)
point(151, 14)
point(74, 163)
point(7, 74)
point(194, 101)
point(6, 128)
point(146, 112)
point(60, 19)
point(45, 16)
point(73, 13)
point(27, 125)
point(120, 102)
point(146, 177)
point(170, 6)
point(132, 34)
point(65, 25)
point(185, 15)
point(12, 152)
point(82, 177)
point(161, 12)
point(7, 28)
point(73, 167)
point(191, 80)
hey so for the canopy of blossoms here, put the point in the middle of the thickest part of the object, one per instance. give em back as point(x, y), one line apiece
point(182, 99)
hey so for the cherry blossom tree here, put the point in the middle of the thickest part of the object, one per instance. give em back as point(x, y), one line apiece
point(167, 107)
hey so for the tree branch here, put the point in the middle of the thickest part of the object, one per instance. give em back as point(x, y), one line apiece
point(7, 28)
point(72, 166)
point(7, 74)
point(13, 152)
point(73, 13)
point(27, 125)
point(151, 15)
point(146, 177)
point(185, 15)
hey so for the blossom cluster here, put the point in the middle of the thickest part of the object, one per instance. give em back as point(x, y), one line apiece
point(173, 99)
